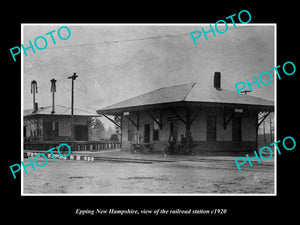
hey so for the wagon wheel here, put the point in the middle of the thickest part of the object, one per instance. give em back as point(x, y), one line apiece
point(166, 150)
point(63, 148)
point(151, 148)
point(132, 149)
point(144, 149)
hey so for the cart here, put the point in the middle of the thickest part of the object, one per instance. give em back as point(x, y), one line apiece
point(142, 148)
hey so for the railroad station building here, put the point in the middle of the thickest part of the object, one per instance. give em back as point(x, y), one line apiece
point(44, 128)
point(217, 119)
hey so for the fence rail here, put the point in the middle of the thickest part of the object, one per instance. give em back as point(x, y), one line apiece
point(78, 145)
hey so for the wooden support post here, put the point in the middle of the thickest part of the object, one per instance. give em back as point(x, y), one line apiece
point(178, 116)
point(132, 121)
point(90, 120)
point(195, 116)
point(159, 123)
point(111, 120)
point(188, 123)
point(263, 118)
point(138, 120)
point(224, 118)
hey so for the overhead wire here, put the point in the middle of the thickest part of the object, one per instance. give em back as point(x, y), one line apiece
point(136, 39)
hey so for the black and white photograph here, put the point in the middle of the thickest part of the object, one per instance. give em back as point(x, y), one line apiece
point(148, 109)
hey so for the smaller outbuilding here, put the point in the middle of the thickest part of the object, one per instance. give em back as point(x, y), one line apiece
point(49, 126)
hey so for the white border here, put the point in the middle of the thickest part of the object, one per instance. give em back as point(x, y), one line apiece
point(152, 24)
point(275, 110)
point(22, 110)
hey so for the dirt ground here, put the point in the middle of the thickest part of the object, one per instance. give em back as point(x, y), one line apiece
point(171, 175)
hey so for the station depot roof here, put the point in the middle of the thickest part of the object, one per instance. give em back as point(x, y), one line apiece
point(193, 93)
point(59, 110)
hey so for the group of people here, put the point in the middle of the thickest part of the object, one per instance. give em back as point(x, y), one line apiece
point(185, 147)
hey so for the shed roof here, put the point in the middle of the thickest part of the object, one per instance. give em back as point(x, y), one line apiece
point(193, 92)
point(59, 110)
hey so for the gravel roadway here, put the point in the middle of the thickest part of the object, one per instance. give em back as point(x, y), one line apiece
point(158, 175)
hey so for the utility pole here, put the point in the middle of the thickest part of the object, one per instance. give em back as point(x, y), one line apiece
point(53, 89)
point(271, 129)
point(264, 132)
point(246, 91)
point(33, 91)
point(72, 110)
point(35, 109)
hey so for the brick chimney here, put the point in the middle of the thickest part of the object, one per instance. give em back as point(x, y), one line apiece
point(36, 108)
point(217, 80)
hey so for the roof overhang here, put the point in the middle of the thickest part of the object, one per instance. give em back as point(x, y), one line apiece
point(170, 105)
point(58, 115)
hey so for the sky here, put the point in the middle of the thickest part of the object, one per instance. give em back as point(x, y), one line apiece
point(115, 62)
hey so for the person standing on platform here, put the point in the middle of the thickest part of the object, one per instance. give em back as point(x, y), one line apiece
point(183, 143)
point(190, 143)
point(172, 142)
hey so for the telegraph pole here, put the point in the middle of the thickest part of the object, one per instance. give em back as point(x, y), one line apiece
point(246, 91)
point(53, 89)
point(72, 110)
point(35, 109)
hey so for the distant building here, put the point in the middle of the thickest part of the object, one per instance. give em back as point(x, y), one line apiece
point(218, 119)
point(42, 125)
